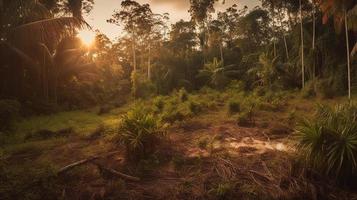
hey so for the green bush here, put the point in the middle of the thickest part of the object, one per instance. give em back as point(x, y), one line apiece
point(195, 107)
point(329, 88)
point(159, 103)
point(329, 142)
point(244, 119)
point(183, 95)
point(140, 132)
point(9, 111)
point(172, 116)
point(309, 90)
point(233, 107)
point(259, 91)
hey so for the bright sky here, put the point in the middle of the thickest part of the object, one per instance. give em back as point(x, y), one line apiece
point(178, 9)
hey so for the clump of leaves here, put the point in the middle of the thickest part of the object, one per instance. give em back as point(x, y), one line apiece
point(195, 107)
point(159, 103)
point(329, 142)
point(141, 133)
point(183, 95)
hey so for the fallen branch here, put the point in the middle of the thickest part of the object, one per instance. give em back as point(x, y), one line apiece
point(82, 162)
point(117, 174)
point(75, 164)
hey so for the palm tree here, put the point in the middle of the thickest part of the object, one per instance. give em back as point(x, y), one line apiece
point(217, 74)
point(36, 29)
point(266, 70)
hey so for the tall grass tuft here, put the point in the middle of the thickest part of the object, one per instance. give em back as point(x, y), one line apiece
point(329, 142)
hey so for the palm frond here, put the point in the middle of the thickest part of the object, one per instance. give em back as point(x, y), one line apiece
point(46, 31)
point(26, 58)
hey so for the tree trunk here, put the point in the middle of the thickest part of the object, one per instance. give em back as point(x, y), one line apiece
point(313, 28)
point(313, 41)
point(221, 51)
point(302, 48)
point(286, 48)
point(348, 56)
point(55, 85)
point(149, 63)
point(133, 51)
point(45, 78)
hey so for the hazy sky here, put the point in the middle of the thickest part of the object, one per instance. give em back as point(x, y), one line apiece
point(178, 9)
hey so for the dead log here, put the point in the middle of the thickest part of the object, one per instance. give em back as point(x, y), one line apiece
point(115, 173)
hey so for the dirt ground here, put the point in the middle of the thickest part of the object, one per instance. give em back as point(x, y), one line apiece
point(207, 157)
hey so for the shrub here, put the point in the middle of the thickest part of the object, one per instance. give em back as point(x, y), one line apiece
point(140, 132)
point(183, 95)
point(195, 107)
point(309, 90)
point(9, 111)
point(259, 91)
point(159, 103)
point(173, 116)
point(328, 88)
point(329, 142)
point(244, 119)
point(234, 107)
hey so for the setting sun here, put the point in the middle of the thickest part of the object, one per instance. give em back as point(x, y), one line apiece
point(87, 36)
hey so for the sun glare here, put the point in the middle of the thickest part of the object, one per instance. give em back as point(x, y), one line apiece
point(87, 37)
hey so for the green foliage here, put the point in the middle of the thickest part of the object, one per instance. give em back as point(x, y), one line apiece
point(309, 90)
point(215, 73)
point(159, 103)
point(222, 190)
point(244, 118)
point(195, 107)
point(29, 182)
point(233, 106)
point(329, 142)
point(9, 111)
point(183, 96)
point(331, 87)
point(140, 132)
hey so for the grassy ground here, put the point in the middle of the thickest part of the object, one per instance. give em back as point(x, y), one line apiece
point(220, 145)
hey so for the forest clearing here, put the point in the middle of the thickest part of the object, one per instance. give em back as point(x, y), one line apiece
point(211, 100)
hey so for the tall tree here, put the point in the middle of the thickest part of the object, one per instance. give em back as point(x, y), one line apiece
point(302, 47)
point(200, 11)
point(339, 10)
